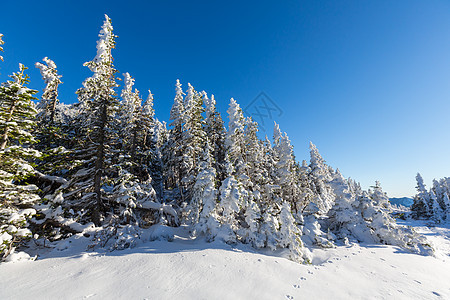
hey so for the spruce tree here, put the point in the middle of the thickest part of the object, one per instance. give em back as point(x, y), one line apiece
point(203, 207)
point(215, 132)
point(193, 140)
point(320, 176)
point(173, 148)
point(49, 98)
point(17, 115)
point(420, 208)
point(88, 189)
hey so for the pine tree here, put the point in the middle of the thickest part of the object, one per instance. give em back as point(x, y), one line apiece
point(420, 208)
point(215, 132)
point(17, 115)
point(290, 235)
point(436, 210)
point(285, 173)
point(193, 139)
point(173, 149)
point(203, 213)
point(97, 128)
point(230, 203)
point(375, 211)
point(447, 207)
point(320, 176)
point(49, 99)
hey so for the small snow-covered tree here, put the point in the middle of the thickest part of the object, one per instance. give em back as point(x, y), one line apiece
point(420, 207)
point(230, 202)
point(285, 173)
point(290, 235)
point(49, 98)
point(17, 197)
point(376, 213)
point(436, 210)
point(447, 207)
point(320, 175)
point(203, 205)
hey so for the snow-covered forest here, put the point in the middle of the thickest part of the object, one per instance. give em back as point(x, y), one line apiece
point(107, 168)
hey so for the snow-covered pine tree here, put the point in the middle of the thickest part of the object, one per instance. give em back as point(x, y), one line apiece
point(234, 142)
point(447, 207)
point(375, 211)
point(290, 235)
point(253, 180)
point(154, 136)
point(436, 210)
point(285, 172)
point(88, 190)
point(230, 203)
point(173, 149)
point(203, 207)
point(420, 208)
point(320, 176)
point(193, 140)
point(17, 115)
point(49, 99)
point(343, 218)
point(306, 194)
point(215, 132)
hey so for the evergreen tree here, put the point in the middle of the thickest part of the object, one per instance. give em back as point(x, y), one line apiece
point(285, 173)
point(49, 99)
point(420, 208)
point(290, 235)
point(436, 210)
point(447, 207)
point(320, 175)
point(88, 189)
point(230, 203)
point(193, 139)
point(17, 115)
point(204, 197)
point(173, 149)
point(215, 132)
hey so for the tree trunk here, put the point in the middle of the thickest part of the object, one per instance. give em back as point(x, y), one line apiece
point(99, 167)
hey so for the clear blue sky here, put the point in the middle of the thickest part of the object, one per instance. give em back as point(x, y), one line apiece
point(367, 81)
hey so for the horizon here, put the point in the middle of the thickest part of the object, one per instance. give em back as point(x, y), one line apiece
point(315, 70)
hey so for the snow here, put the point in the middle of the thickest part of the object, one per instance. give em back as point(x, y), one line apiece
point(193, 269)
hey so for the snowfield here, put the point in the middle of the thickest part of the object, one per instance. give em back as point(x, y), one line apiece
point(193, 269)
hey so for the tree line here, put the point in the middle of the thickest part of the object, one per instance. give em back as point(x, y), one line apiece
point(107, 161)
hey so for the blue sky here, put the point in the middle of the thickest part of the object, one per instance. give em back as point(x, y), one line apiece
point(367, 81)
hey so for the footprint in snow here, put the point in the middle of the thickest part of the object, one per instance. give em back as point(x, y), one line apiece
point(296, 286)
point(289, 297)
point(302, 278)
point(382, 259)
point(437, 294)
point(418, 281)
point(310, 272)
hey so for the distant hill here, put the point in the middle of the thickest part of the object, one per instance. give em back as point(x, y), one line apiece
point(405, 201)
